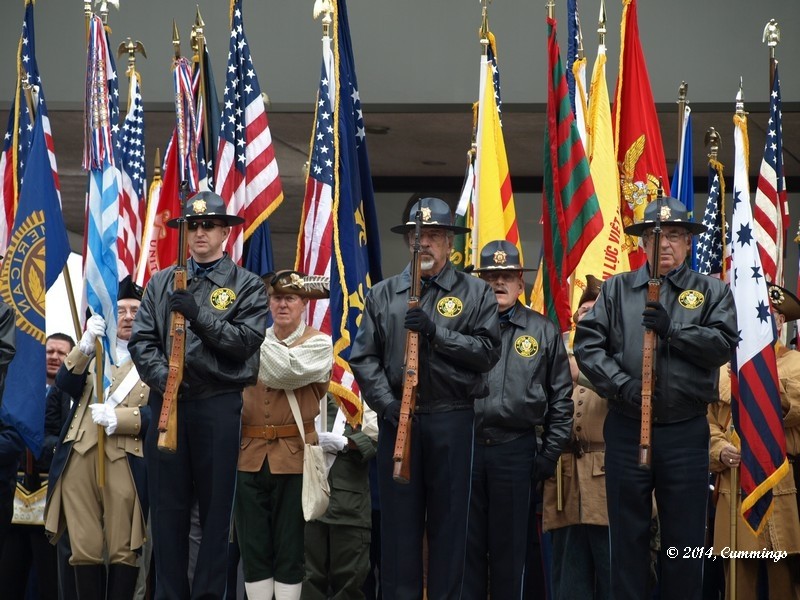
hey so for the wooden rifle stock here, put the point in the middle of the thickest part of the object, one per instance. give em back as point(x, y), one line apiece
point(649, 349)
point(402, 445)
point(168, 419)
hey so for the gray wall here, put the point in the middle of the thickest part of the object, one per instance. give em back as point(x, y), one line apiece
point(421, 51)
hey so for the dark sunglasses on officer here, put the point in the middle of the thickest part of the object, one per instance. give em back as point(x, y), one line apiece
point(207, 225)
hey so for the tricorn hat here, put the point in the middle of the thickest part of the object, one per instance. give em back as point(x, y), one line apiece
point(785, 302)
point(499, 255)
point(129, 290)
point(312, 287)
point(435, 213)
point(206, 205)
point(673, 212)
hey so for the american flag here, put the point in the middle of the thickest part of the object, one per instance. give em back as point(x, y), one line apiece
point(247, 173)
point(709, 243)
point(757, 415)
point(18, 137)
point(134, 184)
point(100, 267)
point(339, 233)
point(771, 209)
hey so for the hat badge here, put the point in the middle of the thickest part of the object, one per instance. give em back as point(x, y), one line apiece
point(199, 206)
point(776, 295)
point(666, 212)
point(296, 281)
point(426, 213)
point(500, 257)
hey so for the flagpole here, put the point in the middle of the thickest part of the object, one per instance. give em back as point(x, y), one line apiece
point(683, 88)
point(734, 519)
point(198, 46)
point(551, 9)
point(712, 141)
point(771, 37)
point(483, 33)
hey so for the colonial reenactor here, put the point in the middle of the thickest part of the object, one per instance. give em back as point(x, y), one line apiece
point(782, 529)
point(694, 320)
point(295, 362)
point(106, 524)
point(579, 528)
point(529, 386)
point(459, 342)
point(225, 307)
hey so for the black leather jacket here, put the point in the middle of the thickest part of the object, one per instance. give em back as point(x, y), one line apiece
point(702, 337)
point(530, 385)
point(451, 366)
point(221, 344)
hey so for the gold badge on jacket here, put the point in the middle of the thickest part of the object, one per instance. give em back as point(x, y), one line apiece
point(450, 306)
point(691, 299)
point(526, 346)
point(222, 298)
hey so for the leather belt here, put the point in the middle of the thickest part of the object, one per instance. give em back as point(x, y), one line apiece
point(580, 447)
point(273, 432)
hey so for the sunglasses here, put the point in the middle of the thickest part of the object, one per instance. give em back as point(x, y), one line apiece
point(207, 225)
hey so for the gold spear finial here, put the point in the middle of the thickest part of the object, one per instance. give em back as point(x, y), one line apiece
point(740, 99)
point(711, 141)
point(176, 39)
point(581, 53)
point(601, 23)
point(157, 164)
point(484, 30)
point(683, 88)
point(324, 8)
point(198, 34)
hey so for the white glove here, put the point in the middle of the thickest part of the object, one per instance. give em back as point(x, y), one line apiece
point(103, 414)
point(332, 442)
point(95, 328)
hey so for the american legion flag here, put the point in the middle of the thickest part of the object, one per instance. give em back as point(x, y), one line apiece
point(338, 231)
point(33, 260)
point(19, 134)
point(757, 416)
point(247, 173)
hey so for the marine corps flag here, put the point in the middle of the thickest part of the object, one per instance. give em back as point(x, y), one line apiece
point(34, 258)
point(338, 228)
point(637, 135)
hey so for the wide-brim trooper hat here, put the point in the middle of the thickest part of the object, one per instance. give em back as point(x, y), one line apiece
point(499, 255)
point(435, 214)
point(785, 302)
point(313, 287)
point(673, 212)
point(206, 205)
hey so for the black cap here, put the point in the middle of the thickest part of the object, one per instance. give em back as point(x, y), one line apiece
point(435, 214)
point(499, 255)
point(206, 205)
point(673, 212)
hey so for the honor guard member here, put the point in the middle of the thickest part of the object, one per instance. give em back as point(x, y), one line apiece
point(226, 312)
point(782, 529)
point(459, 343)
point(108, 521)
point(579, 530)
point(296, 360)
point(529, 386)
point(695, 323)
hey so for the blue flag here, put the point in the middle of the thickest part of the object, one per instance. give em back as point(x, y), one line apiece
point(35, 257)
point(682, 179)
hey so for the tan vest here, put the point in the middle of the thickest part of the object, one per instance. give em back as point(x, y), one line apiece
point(267, 406)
